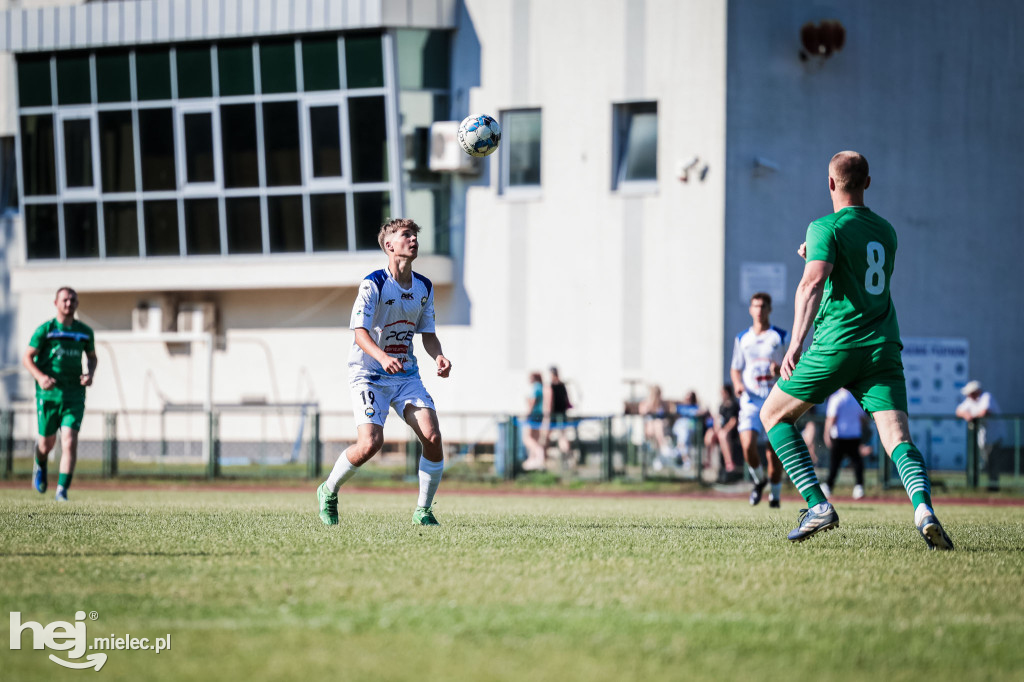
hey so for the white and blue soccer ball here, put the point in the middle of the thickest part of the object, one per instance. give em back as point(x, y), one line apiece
point(479, 134)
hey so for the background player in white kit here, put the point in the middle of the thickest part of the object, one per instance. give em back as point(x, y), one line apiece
point(392, 306)
point(756, 357)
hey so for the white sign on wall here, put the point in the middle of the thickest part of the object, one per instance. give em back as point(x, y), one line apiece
point(767, 277)
point(936, 369)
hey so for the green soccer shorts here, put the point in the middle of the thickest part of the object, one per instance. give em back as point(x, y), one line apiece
point(56, 413)
point(873, 374)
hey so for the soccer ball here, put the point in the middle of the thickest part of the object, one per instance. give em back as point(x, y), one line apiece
point(479, 134)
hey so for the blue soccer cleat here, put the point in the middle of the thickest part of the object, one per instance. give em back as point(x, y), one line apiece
point(813, 521)
point(933, 534)
point(38, 477)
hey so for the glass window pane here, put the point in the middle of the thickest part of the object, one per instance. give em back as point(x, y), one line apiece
point(423, 59)
point(238, 140)
point(117, 151)
point(81, 235)
point(522, 145)
point(73, 83)
point(34, 81)
point(637, 125)
point(364, 61)
point(325, 138)
point(195, 75)
point(371, 211)
point(78, 152)
point(245, 234)
point(202, 227)
point(329, 221)
point(41, 231)
point(37, 161)
point(121, 229)
point(281, 143)
point(284, 217)
point(153, 73)
point(161, 227)
point(430, 205)
point(156, 143)
point(198, 132)
point(113, 77)
point(277, 66)
point(234, 64)
point(320, 64)
point(369, 139)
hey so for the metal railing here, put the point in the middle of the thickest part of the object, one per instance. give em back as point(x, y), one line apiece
point(300, 441)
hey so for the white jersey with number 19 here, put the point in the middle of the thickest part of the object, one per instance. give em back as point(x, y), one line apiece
point(392, 315)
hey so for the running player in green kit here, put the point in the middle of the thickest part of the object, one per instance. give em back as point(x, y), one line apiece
point(54, 359)
point(856, 345)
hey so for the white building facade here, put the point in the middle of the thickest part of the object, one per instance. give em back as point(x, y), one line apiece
point(221, 167)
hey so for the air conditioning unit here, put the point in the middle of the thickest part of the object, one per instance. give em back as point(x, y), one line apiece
point(446, 154)
point(152, 317)
point(197, 317)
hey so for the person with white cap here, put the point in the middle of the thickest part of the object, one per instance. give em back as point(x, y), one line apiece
point(978, 404)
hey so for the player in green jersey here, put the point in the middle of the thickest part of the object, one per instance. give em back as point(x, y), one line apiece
point(856, 345)
point(54, 359)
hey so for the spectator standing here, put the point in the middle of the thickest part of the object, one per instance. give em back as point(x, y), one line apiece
point(556, 408)
point(978, 404)
point(535, 457)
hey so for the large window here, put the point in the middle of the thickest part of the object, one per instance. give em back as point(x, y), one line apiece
point(635, 141)
point(262, 146)
point(520, 151)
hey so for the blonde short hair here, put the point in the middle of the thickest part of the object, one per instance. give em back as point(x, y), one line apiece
point(393, 226)
point(849, 170)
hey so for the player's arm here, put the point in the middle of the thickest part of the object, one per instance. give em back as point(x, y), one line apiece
point(827, 436)
point(808, 299)
point(389, 364)
point(737, 381)
point(45, 381)
point(736, 369)
point(90, 368)
point(432, 345)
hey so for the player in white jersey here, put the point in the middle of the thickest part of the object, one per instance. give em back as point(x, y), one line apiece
point(756, 357)
point(392, 306)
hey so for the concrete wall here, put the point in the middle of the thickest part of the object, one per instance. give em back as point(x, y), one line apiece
point(931, 93)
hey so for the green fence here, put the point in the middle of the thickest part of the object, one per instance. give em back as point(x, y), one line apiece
point(302, 442)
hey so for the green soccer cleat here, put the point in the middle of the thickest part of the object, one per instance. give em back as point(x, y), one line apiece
point(328, 502)
point(424, 516)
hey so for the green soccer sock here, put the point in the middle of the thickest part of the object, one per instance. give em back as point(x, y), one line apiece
point(910, 464)
point(792, 451)
point(64, 481)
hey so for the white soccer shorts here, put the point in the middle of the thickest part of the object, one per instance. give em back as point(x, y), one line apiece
point(371, 402)
point(750, 414)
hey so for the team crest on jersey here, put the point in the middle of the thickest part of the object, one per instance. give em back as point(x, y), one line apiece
point(369, 412)
point(423, 301)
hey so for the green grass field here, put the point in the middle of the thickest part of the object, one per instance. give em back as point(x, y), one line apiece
point(251, 586)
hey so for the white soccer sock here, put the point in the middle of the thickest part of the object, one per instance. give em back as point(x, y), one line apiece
point(342, 471)
point(757, 474)
point(430, 478)
point(776, 491)
point(922, 511)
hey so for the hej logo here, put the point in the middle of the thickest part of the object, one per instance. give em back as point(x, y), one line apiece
point(72, 638)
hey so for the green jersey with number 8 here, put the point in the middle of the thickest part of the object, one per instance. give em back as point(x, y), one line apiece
point(856, 308)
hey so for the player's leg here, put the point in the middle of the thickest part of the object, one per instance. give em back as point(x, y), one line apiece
point(48, 418)
point(71, 423)
point(750, 430)
point(423, 421)
point(774, 477)
point(857, 462)
point(883, 395)
point(370, 404)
